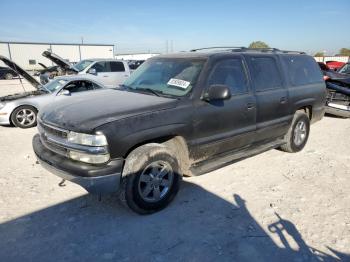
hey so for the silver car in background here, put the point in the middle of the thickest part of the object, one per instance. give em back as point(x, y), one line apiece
point(21, 109)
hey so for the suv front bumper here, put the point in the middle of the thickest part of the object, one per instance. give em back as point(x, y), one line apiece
point(95, 179)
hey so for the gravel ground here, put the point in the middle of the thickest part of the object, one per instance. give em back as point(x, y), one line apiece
point(272, 207)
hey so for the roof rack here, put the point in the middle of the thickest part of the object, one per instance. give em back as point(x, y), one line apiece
point(218, 47)
point(246, 49)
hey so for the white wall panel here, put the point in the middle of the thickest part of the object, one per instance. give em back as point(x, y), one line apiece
point(69, 52)
point(22, 53)
point(96, 51)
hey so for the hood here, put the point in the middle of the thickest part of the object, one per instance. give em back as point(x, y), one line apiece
point(21, 95)
point(19, 70)
point(59, 61)
point(83, 112)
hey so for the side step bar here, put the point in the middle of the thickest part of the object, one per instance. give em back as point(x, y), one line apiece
point(226, 159)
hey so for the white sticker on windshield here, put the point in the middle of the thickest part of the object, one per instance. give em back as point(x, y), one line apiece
point(179, 83)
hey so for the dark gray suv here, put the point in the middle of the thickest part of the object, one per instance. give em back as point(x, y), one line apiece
point(181, 114)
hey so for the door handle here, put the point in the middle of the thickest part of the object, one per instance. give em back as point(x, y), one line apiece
point(105, 76)
point(250, 106)
point(283, 100)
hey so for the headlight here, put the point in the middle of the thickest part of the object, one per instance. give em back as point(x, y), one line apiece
point(88, 140)
point(89, 158)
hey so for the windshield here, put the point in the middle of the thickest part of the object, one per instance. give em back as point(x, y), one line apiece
point(55, 85)
point(82, 65)
point(345, 69)
point(169, 76)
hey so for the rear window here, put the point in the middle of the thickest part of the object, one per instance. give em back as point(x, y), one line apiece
point(302, 70)
point(265, 73)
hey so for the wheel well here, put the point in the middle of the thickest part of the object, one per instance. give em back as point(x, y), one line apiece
point(177, 144)
point(18, 107)
point(307, 110)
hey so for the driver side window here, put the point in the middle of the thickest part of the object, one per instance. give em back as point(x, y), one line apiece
point(101, 67)
point(230, 72)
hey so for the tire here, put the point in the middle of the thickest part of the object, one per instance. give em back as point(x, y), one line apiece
point(151, 179)
point(24, 117)
point(298, 133)
point(8, 76)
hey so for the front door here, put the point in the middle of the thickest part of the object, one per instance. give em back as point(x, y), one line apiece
point(222, 126)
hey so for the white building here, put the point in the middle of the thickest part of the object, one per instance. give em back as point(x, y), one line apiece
point(28, 54)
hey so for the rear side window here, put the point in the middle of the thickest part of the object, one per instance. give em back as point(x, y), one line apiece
point(117, 67)
point(302, 70)
point(231, 73)
point(265, 73)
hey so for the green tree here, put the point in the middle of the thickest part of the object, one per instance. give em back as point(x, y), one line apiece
point(258, 44)
point(318, 54)
point(344, 52)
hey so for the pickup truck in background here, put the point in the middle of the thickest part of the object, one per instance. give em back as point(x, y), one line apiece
point(109, 72)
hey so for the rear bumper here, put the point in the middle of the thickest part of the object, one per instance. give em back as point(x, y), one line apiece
point(95, 179)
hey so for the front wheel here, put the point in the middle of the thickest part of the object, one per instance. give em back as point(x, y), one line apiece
point(298, 133)
point(24, 116)
point(151, 178)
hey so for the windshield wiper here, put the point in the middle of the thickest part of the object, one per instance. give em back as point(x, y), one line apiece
point(150, 90)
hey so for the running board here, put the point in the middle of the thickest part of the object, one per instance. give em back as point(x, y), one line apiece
point(229, 158)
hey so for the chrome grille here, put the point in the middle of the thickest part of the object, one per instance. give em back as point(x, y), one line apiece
point(52, 131)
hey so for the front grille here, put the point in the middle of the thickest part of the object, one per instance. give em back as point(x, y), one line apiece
point(52, 131)
point(49, 133)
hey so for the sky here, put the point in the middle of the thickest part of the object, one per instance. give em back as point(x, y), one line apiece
point(152, 25)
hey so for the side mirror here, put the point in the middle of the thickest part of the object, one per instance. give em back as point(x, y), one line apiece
point(92, 71)
point(217, 92)
point(64, 92)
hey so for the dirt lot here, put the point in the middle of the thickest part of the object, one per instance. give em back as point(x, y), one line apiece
point(272, 207)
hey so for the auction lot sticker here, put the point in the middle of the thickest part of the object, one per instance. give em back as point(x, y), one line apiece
point(179, 83)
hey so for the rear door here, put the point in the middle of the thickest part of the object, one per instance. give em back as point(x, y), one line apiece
point(273, 111)
point(119, 72)
point(222, 126)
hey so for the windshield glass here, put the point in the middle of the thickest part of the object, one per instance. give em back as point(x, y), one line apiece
point(82, 65)
point(168, 76)
point(345, 69)
point(55, 85)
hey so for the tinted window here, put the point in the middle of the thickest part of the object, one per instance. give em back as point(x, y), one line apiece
point(302, 70)
point(265, 73)
point(101, 67)
point(117, 67)
point(79, 86)
point(231, 73)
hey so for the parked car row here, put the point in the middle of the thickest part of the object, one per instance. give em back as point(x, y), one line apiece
point(338, 90)
point(180, 114)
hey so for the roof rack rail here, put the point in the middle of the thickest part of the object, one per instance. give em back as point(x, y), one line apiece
point(218, 47)
point(245, 49)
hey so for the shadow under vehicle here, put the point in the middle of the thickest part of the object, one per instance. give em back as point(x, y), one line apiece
point(198, 226)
